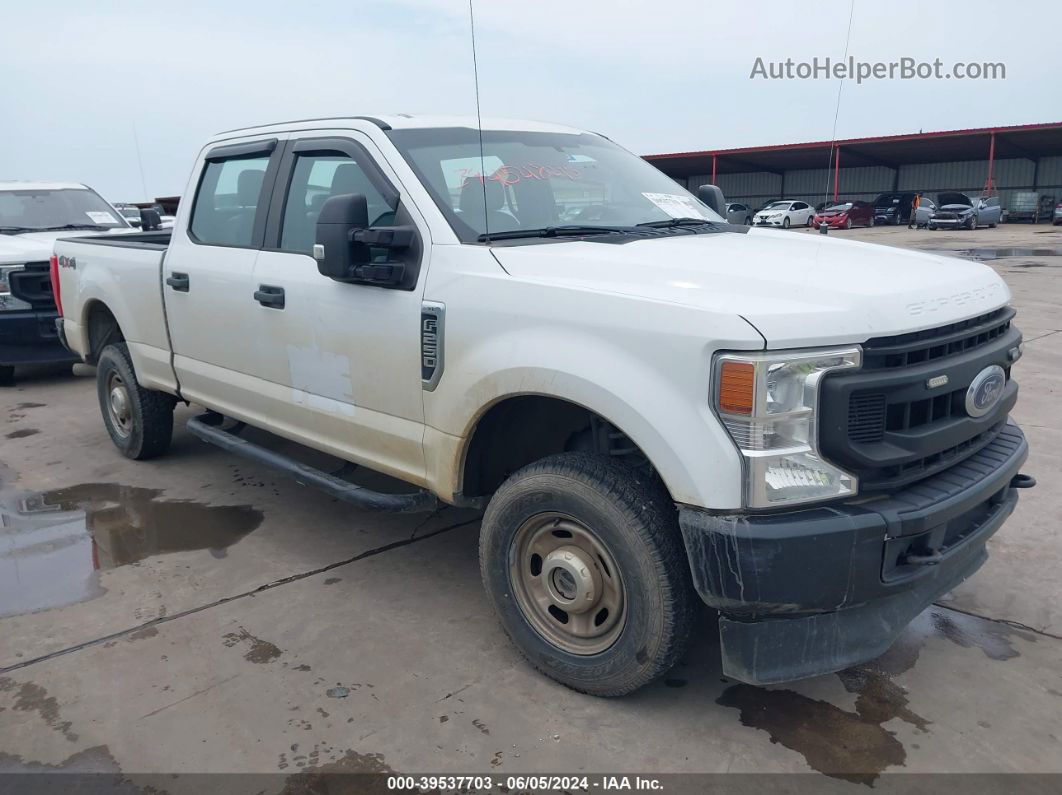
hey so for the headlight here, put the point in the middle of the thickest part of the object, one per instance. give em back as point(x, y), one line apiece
point(768, 403)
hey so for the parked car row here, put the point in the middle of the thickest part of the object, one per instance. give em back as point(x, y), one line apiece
point(950, 210)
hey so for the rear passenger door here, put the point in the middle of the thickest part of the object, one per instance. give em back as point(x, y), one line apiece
point(207, 276)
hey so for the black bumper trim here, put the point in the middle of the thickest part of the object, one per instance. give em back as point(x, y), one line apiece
point(810, 592)
point(29, 337)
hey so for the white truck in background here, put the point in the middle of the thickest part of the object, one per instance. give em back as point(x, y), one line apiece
point(32, 215)
point(809, 434)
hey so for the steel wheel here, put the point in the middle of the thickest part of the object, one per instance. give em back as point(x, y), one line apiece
point(567, 584)
point(119, 407)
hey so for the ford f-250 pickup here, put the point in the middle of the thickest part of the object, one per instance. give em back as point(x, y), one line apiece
point(809, 434)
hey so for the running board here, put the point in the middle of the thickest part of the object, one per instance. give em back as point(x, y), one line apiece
point(206, 428)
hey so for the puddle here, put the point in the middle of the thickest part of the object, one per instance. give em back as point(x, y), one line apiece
point(857, 746)
point(54, 544)
point(1003, 253)
point(991, 637)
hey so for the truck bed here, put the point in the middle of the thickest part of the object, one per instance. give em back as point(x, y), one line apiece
point(158, 241)
point(120, 276)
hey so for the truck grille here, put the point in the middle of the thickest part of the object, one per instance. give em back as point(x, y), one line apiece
point(887, 425)
point(937, 343)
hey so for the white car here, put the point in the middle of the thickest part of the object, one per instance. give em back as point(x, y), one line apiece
point(785, 214)
point(652, 405)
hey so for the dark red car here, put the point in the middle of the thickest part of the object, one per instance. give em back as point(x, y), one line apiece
point(846, 215)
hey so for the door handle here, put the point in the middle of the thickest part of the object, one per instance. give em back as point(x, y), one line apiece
point(178, 281)
point(269, 295)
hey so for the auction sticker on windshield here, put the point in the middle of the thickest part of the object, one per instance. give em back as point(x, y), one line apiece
point(676, 206)
point(99, 217)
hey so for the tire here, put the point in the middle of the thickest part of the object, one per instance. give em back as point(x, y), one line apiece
point(808, 223)
point(847, 223)
point(871, 224)
point(636, 525)
point(973, 224)
point(7, 374)
point(139, 420)
point(748, 220)
point(785, 222)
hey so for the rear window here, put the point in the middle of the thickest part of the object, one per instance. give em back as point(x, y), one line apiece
point(227, 201)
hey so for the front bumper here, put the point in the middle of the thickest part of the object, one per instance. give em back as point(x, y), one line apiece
point(30, 337)
point(811, 592)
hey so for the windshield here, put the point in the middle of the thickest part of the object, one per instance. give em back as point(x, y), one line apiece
point(887, 200)
point(778, 206)
point(535, 180)
point(37, 209)
point(838, 208)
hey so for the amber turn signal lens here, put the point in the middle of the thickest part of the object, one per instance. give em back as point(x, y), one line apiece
point(736, 387)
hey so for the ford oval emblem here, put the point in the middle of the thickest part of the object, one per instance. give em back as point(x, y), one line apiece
point(985, 390)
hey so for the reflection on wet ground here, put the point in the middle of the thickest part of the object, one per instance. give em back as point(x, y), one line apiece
point(856, 746)
point(54, 544)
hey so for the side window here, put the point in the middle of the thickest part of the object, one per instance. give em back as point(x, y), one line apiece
point(227, 201)
point(314, 180)
point(799, 206)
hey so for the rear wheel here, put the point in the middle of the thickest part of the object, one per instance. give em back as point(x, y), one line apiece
point(584, 563)
point(139, 420)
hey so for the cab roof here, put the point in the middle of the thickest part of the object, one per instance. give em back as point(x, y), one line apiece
point(405, 121)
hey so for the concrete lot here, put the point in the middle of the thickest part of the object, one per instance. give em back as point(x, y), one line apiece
point(197, 613)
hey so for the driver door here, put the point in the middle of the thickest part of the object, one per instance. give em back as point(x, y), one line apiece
point(341, 360)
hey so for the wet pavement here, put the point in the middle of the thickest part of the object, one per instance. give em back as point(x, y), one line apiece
point(198, 613)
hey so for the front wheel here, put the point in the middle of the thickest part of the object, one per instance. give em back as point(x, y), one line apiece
point(139, 420)
point(584, 563)
point(785, 222)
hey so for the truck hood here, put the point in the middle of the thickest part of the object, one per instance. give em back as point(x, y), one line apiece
point(796, 289)
point(37, 246)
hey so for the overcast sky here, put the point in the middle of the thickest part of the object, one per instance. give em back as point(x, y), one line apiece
point(79, 77)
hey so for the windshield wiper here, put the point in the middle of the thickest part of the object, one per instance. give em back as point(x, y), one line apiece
point(670, 222)
point(568, 230)
point(69, 226)
point(15, 230)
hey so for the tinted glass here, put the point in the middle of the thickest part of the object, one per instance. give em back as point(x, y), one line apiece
point(37, 209)
point(315, 179)
point(531, 180)
point(227, 201)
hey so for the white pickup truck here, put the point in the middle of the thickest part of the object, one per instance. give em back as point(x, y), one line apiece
point(809, 434)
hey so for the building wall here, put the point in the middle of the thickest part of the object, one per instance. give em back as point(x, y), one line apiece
point(866, 183)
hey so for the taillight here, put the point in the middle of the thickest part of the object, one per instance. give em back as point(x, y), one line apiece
point(53, 273)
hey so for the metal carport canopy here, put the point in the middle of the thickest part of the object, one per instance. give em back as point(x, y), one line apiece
point(1031, 141)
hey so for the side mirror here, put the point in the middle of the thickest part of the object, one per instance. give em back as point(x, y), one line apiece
point(334, 249)
point(150, 220)
point(713, 197)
